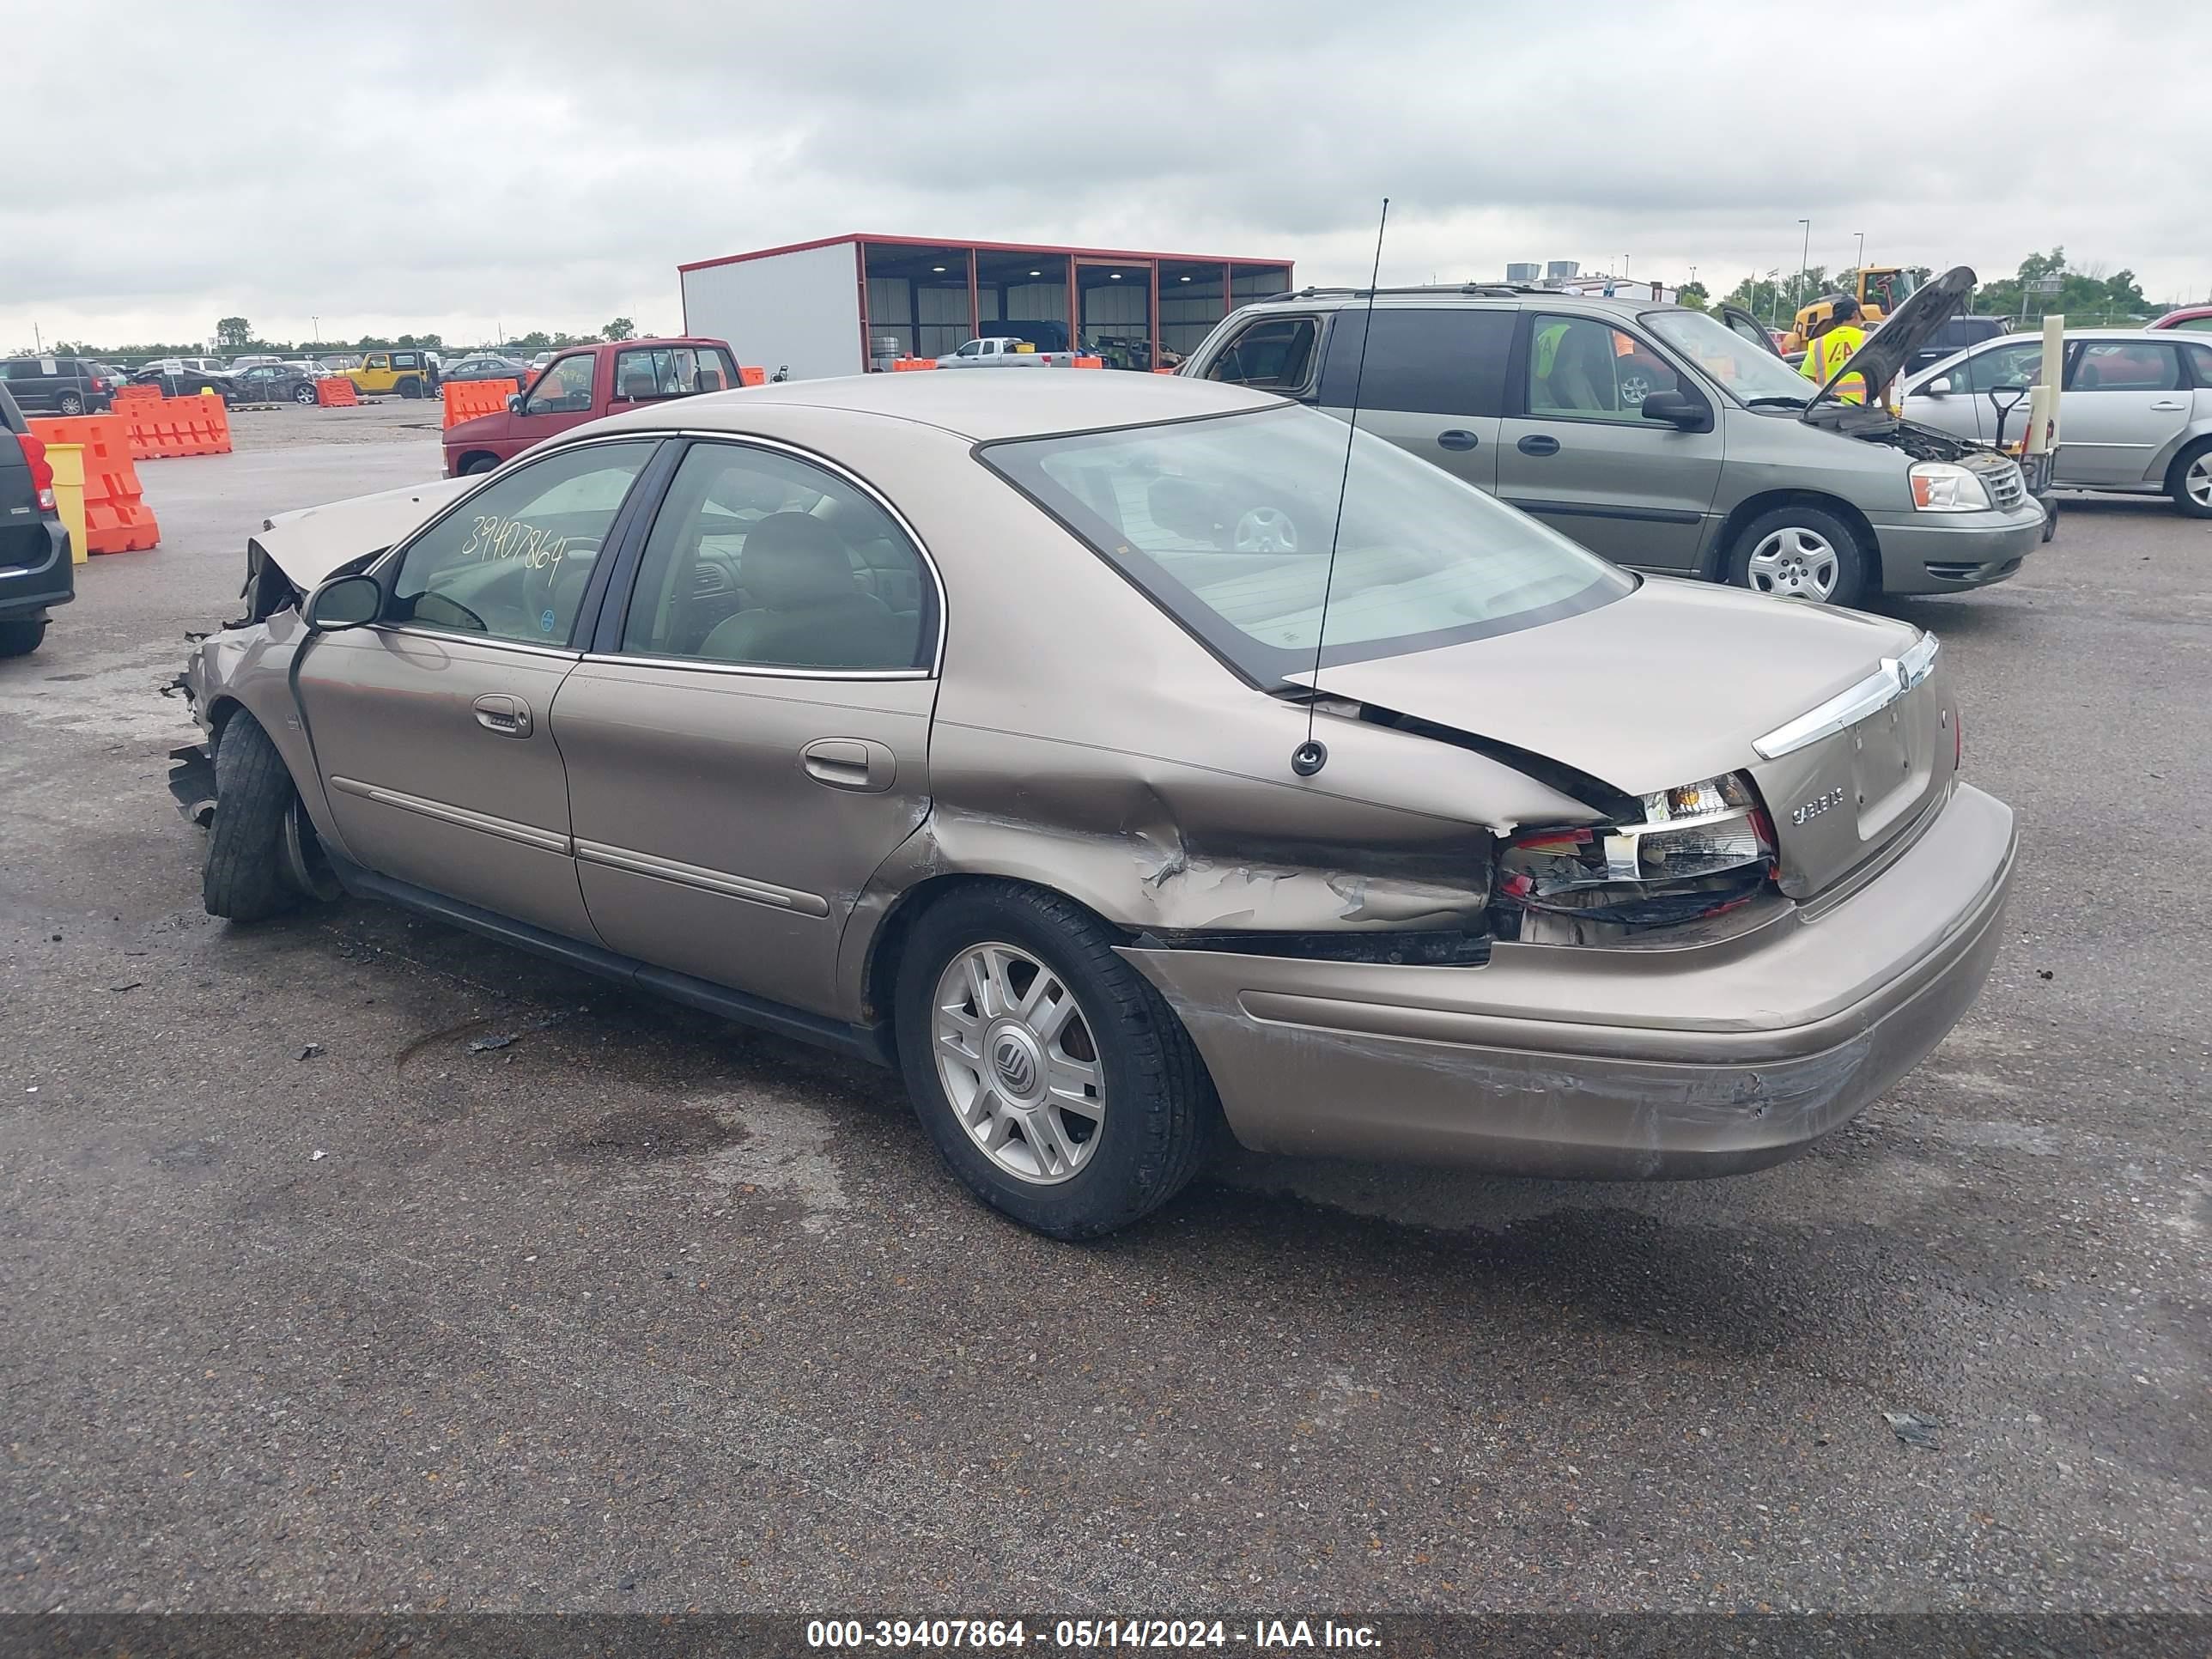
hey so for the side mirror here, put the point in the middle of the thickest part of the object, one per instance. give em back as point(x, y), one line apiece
point(1684, 414)
point(345, 602)
point(1938, 387)
point(515, 403)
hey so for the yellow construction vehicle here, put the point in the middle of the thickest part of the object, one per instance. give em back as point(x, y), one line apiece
point(1880, 289)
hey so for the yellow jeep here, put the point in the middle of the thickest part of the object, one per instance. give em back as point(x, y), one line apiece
point(407, 372)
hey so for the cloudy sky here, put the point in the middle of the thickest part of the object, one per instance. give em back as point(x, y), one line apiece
point(471, 164)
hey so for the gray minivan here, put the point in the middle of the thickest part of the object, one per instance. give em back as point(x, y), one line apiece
point(1662, 437)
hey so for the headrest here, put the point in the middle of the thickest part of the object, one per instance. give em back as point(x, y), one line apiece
point(792, 559)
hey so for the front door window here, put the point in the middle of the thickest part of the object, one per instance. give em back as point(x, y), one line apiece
point(563, 389)
point(513, 562)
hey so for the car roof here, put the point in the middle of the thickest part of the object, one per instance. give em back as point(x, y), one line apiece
point(983, 404)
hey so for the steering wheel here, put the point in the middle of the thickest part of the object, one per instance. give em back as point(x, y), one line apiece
point(1267, 530)
point(543, 584)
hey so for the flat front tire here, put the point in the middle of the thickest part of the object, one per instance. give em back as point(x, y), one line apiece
point(243, 877)
point(1800, 552)
point(1052, 1077)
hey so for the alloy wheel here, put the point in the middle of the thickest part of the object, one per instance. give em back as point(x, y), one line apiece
point(1019, 1063)
point(2197, 480)
point(1794, 563)
point(1267, 530)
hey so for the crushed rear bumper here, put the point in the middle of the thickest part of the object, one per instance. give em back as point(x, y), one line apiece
point(1569, 1061)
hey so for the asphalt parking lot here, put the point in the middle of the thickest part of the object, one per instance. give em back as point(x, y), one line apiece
point(353, 1262)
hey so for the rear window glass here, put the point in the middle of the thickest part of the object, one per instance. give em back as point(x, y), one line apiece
point(1228, 524)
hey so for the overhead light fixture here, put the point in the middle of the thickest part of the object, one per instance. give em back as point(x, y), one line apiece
point(939, 270)
point(1114, 276)
point(1182, 279)
point(1036, 273)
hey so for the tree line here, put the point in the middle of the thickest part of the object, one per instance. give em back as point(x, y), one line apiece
point(236, 335)
point(2089, 298)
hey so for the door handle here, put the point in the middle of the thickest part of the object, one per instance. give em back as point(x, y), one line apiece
point(1456, 439)
point(853, 763)
point(2169, 406)
point(1539, 443)
point(508, 716)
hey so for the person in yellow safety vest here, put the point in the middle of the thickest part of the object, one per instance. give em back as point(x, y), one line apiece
point(1831, 348)
point(1547, 346)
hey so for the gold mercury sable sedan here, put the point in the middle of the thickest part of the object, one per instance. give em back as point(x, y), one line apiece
point(1121, 759)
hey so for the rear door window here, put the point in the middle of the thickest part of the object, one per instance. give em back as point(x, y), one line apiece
point(671, 371)
point(1275, 354)
point(1437, 361)
point(759, 560)
point(2199, 359)
point(2125, 365)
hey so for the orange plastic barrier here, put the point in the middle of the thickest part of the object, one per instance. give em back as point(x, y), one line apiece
point(133, 389)
point(158, 428)
point(1163, 371)
point(336, 393)
point(466, 399)
point(116, 517)
point(914, 363)
point(751, 374)
point(1088, 363)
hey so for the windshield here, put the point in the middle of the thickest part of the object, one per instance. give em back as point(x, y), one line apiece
point(1742, 366)
point(1226, 524)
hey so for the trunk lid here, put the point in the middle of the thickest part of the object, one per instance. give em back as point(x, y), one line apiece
point(1681, 681)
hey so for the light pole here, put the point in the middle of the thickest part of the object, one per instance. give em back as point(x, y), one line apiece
point(315, 323)
point(1860, 263)
point(1804, 258)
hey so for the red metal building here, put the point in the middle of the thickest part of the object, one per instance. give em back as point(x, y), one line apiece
point(845, 304)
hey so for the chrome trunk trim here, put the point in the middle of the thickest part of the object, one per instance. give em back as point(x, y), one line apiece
point(1894, 677)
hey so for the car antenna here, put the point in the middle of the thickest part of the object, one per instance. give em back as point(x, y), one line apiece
point(1309, 756)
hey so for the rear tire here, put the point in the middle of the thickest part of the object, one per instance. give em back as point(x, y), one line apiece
point(1157, 1117)
point(1800, 552)
point(71, 403)
point(304, 395)
point(20, 638)
point(411, 388)
point(243, 879)
point(478, 464)
point(2189, 480)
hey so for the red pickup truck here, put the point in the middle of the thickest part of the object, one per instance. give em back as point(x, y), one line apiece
point(584, 383)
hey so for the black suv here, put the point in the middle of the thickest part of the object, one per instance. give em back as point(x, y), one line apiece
point(1954, 335)
point(34, 549)
point(58, 385)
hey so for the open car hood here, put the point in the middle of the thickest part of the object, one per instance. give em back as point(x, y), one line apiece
point(1902, 333)
point(315, 542)
point(1665, 686)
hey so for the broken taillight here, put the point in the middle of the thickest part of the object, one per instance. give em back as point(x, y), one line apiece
point(42, 470)
point(1700, 849)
